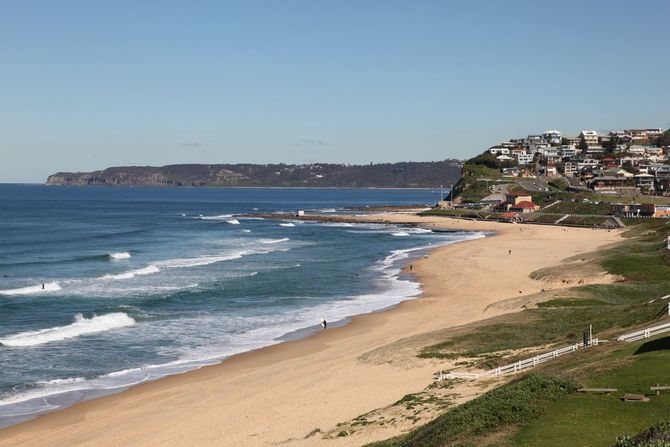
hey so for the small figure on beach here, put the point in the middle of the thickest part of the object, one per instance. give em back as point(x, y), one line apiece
point(324, 323)
point(410, 267)
point(510, 252)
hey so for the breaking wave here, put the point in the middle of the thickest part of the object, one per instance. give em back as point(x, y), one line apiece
point(47, 287)
point(148, 270)
point(80, 326)
point(121, 255)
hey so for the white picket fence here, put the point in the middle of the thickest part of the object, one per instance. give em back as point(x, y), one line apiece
point(645, 333)
point(517, 366)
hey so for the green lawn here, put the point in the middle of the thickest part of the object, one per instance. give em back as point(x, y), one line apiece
point(596, 420)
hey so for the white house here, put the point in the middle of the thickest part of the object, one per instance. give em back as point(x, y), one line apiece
point(637, 150)
point(524, 158)
point(590, 136)
point(568, 151)
point(496, 150)
point(552, 136)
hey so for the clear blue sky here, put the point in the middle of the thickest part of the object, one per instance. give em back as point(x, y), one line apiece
point(87, 84)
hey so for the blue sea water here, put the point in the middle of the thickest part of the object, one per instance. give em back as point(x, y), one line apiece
point(104, 288)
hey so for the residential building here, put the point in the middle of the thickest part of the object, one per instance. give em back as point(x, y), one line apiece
point(645, 182)
point(637, 150)
point(497, 150)
point(524, 159)
point(571, 169)
point(536, 143)
point(590, 136)
point(552, 137)
point(633, 209)
point(587, 163)
point(568, 151)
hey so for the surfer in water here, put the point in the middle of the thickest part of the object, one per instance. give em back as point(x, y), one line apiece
point(324, 323)
point(42, 286)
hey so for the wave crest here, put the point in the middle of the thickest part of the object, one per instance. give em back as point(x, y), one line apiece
point(80, 326)
point(121, 255)
point(47, 287)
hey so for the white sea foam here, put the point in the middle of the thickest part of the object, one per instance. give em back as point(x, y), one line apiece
point(246, 231)
point(400, 234)
point(421, 230)
point(219, 217)
point(288, 224)
point(47, 287)
point(148, 270)
point(233, 222)
point(80, 326)
point(273, 241)
point(120, 255)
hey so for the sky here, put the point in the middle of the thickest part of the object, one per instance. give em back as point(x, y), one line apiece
point(87, 85)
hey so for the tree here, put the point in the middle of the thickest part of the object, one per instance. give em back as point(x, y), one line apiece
point(611, 144)
point(583, 145)
point(664, 139)
point(487, 159)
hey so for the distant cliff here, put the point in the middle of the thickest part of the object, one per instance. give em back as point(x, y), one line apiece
point(385, 175)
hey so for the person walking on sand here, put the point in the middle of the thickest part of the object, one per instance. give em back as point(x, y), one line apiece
point(510, 252)
point(410, 267)
point(324, 323)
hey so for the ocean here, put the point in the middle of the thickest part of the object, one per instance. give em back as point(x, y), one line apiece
point(105, 288)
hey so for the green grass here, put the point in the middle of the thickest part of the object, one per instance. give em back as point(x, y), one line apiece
point(580, 208)
point(480, 171)
point(572, 302)
point(515, 403)
point(596, 420)
point(559, 183)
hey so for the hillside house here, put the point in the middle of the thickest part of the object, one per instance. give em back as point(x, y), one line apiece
point(590, 136)
point(524, 159)
point(568, 151)
point(497, 150)
point(571, 169)
point(552, 137)
point(645, 182)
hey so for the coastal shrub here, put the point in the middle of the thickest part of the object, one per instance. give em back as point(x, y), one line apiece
point(658, 435)
point(515, 403)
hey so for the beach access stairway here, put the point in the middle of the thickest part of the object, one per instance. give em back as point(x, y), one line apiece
point(534, 361)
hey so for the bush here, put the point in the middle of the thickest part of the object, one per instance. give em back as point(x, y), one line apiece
point(518, 402)
point(658, 435)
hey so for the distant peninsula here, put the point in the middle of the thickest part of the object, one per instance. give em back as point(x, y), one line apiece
point(383, 175)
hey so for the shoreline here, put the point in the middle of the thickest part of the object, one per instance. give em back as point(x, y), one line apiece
point(315, 363)
point(68, 399)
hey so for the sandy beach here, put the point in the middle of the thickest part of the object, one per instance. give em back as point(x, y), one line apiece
point(278, 395)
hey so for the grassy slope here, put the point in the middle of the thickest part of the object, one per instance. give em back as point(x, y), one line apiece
point(643, 261)
point(596, 420)
point(508, 405)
